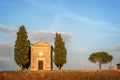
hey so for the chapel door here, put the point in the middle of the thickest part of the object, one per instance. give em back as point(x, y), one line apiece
point(40, 65)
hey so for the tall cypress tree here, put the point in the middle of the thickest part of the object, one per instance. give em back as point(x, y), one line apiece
point(27, 65)
point(60, 51)
point(22, 48)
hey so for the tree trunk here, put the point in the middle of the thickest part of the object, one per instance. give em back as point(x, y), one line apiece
point(100, 65)
point(59, 67)
point(21, 67)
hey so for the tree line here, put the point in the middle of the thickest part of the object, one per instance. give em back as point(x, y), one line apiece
point(22, 52)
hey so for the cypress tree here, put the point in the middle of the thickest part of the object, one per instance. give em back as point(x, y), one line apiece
point(60, 51)
point(27, 65)
point(22, 48)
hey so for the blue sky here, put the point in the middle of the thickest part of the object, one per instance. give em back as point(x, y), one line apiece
point(87, 26)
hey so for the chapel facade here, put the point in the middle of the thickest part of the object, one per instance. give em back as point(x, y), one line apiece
point(41, 56)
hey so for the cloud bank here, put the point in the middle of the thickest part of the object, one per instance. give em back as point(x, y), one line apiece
point(7, 57)
point(7, 29)
point(116, 49)
point(6, 50)
point(48, 36)
point(37, 35)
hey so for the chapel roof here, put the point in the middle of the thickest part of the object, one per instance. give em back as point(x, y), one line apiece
point(41, 43)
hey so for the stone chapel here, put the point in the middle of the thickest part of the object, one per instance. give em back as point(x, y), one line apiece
point(41, 56)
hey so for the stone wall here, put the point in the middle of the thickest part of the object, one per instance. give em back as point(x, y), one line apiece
point(41, 54)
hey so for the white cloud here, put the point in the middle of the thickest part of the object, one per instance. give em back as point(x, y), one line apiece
point(85, 20)
point(88, 21)
point(7, 63)
point(37, 35)
point(50, 6)
point(116, 49)
point(48, 36)
point(58, 8)
point(6, 50)
point(7, 57)
point(106, 29)
point(6, 29)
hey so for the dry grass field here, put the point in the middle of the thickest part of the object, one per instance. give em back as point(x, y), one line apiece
point(60, 75)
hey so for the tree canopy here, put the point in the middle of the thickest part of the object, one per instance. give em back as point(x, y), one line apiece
point(60, 51)
point(22, 49)
point(100, 57)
